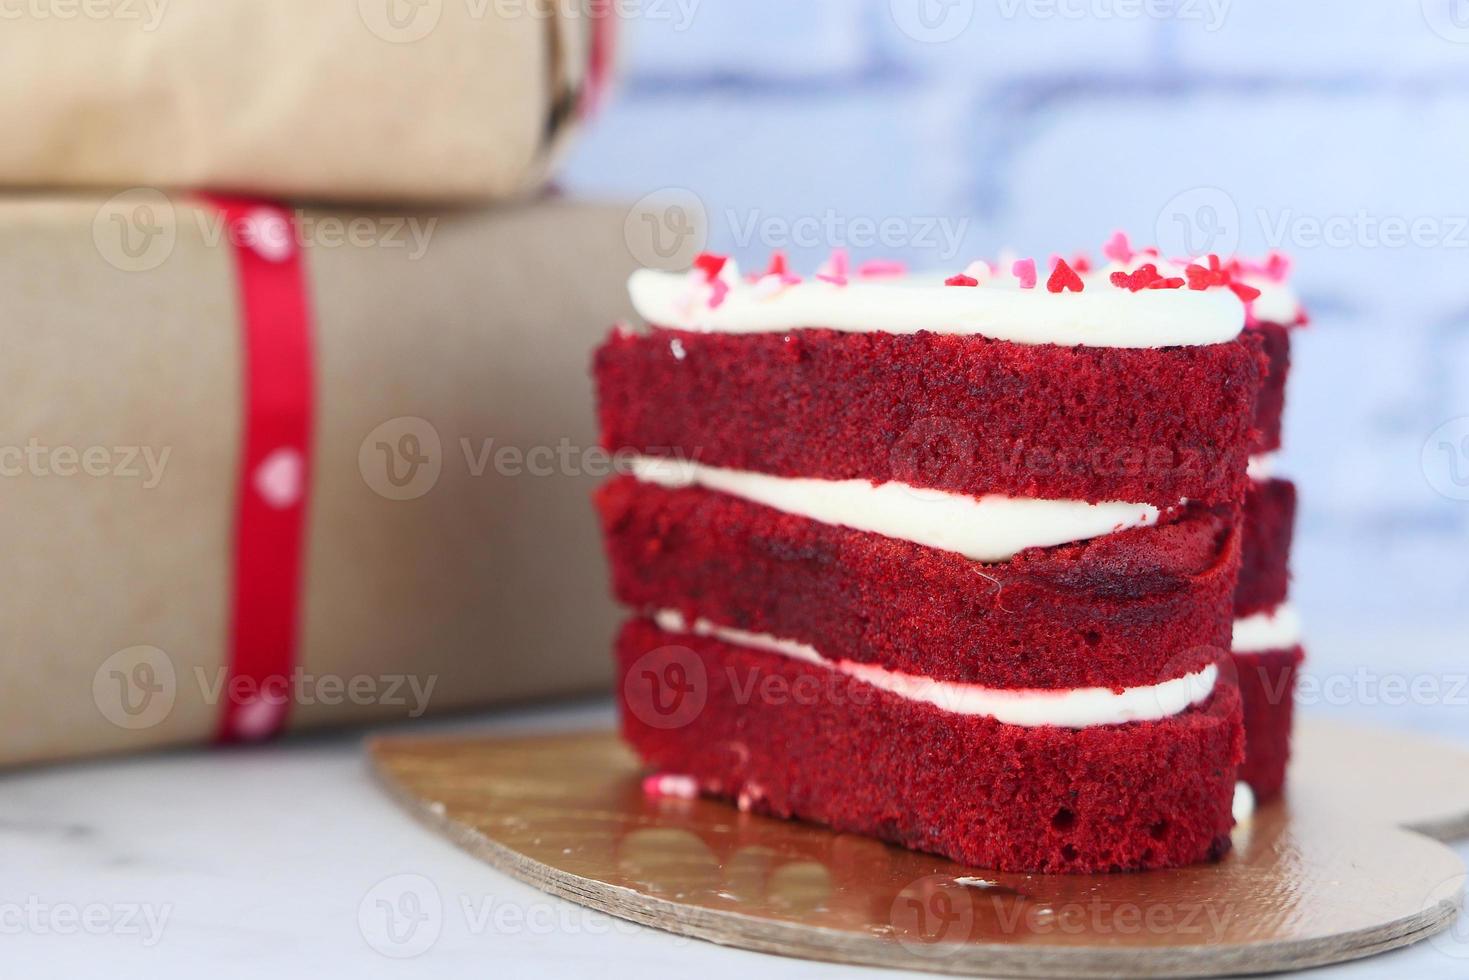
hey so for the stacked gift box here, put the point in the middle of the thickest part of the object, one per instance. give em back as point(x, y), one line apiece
point(268, 465)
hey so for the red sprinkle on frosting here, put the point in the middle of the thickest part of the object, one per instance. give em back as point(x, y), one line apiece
point(778, 265)
point(1064, 278)
point(1245, 292)
point(1200, 277)
point(711, 265)
point(1140, 278)
point(1218, 274)
point(961, 280)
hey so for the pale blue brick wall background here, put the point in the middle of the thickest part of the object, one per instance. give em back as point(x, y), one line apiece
point(1325, 127)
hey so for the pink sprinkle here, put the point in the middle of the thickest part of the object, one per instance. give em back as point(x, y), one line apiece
point(1024, 270)
point(668, 784)
point(879, 268)
point(778, 264)
point(979, 270)
point(1118, 248)
point(1277, 266)
point(767, 286)
point(841, 262)
point(961, 281)
point(834, 280)
point(839, 266)
point(772, 284)
point(719, 295)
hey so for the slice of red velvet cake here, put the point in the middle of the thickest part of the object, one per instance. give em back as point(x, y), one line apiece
point(948, 563)
point(1267, 632)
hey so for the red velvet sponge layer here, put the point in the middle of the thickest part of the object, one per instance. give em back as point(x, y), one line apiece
point(791, 739)
point(959, 413)
point(1270, 407)
point(1267, 683)
point(1268, 528)
point(1125, 610)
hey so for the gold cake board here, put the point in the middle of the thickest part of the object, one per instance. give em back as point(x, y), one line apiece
point(1327, 876)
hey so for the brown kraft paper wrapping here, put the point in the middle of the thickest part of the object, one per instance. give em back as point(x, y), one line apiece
point(352, 100)
point(120, 444)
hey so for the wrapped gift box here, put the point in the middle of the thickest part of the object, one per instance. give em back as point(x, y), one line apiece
point(448, 553)
point(358, 100)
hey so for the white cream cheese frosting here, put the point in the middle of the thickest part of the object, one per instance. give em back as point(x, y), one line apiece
point(991, 528)
point(1277, 302)
point(1029, 708)
point(1276, 629)
point(1103, 315)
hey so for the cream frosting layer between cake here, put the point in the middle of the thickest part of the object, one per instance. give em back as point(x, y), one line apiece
point(1263, 467)
point(1275, 629)
point(1025, 707)
point(991, 528)
point(1101, 316)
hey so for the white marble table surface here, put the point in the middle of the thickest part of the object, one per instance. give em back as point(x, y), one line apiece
point(255, 863)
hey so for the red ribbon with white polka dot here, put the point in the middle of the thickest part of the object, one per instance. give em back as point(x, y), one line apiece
point(275, 466)
point(601, 53)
